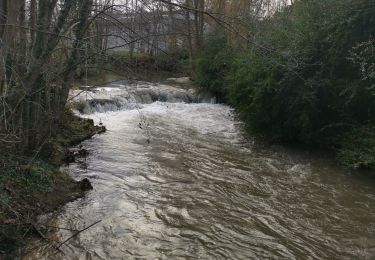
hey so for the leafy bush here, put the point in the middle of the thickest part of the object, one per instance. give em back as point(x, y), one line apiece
point(357, 148)
point(172, 61)
point(309, 77)
point(213, 65)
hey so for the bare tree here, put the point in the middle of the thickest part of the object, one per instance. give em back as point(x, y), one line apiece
point(38, 60)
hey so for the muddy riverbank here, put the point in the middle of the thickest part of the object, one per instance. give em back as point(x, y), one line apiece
point(34, 186)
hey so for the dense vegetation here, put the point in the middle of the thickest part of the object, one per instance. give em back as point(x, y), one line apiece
point(305, 75)
point(138, 62)
point(41, 48)
point(301, 73)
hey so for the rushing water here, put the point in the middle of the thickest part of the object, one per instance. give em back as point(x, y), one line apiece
point(180, 181)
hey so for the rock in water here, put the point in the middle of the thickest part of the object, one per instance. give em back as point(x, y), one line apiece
point(85, 185)
point(183, 80)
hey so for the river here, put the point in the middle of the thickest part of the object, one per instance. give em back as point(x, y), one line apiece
point(177, 178)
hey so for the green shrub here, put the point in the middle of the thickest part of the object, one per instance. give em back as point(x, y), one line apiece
point(308, 77)
point(357, 148)
point(213, 66)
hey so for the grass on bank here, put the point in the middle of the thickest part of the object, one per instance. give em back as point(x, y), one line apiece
point(31, 187)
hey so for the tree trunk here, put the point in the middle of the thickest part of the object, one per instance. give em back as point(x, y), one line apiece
point(189, 36)
point(3, 20)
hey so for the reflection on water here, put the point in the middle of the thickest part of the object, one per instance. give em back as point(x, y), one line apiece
point(199, 189)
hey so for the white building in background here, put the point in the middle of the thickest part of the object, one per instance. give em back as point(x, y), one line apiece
point(147, 32)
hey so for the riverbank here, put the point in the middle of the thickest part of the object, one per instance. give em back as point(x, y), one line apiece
point(31, 187)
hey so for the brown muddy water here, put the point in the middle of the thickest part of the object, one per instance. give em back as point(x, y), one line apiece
point(179, 180)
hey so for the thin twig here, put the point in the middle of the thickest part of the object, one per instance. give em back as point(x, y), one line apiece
point(45, 238)
point(77, 233)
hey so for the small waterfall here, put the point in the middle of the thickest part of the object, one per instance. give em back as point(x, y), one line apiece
point(117, 96)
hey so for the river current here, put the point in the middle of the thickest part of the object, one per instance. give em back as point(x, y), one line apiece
point(177, 178)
